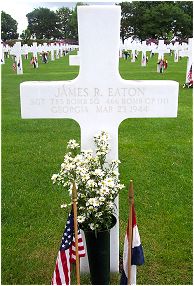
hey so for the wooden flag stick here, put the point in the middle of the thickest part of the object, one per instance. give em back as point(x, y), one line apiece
point(130, 228)
point(74, 199)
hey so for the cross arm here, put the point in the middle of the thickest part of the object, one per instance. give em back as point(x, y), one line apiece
point(115, 101)
point(146, 99)
point(46, 99)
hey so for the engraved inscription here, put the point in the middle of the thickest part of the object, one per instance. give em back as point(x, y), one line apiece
point(68, 100)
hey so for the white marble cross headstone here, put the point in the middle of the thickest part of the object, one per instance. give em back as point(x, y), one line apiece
point(143, 48)
point(153, 47)
point(133, 48)
point(52, 50)
point(57, 51)
point(186, 51)
point(25, 51)
point(176, 51)
point(16, 51)
point(188, 54)
point(99, 99)
point(45, 48)
point(34, 51)
point(162, 49)
point(183, 48)
point(61, 50)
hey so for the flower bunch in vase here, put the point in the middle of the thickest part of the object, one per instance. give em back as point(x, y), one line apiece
point(97, 182)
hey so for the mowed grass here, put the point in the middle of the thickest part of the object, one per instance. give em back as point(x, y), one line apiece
point(156, 153)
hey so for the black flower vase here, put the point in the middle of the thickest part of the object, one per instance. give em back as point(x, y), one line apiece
point(98, 249)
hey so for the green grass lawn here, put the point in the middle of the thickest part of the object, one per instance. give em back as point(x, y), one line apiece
point(156, 153)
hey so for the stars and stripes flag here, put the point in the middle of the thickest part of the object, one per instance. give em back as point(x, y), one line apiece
point(137, 256)
point(67, 254)
point(189, 75)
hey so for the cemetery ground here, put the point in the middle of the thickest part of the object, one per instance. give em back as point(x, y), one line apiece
point(156, 153)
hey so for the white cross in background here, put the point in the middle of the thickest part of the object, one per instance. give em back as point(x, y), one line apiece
point(61, 50)
point(45, 48)
point(52, 50)
point(99, 99)
point(188, 53)
point(133, 51)
point(176, 48)
point(153, 47)
point(57, 51)
point(34, 51)
point(25, 51)
point(16, 51)
point(161, 50)
point(143, 48)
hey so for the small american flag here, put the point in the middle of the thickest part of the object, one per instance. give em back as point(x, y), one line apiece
point(189, 75)
point(66, 254)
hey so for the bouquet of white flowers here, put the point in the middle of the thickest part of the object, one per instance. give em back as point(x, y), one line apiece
point(97, 182)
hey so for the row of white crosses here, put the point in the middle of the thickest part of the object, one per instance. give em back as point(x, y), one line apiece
point(99, 99)
point(161, 49)
point(56, 50)
point(18, 51)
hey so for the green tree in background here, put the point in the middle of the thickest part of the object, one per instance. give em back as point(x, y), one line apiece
point(126, 24)
point(25, 36)
point(8, 27)
point(68, 22)
point(73, 24)
point(43, 24)
point(140, 19)
point(156, 19)
point(64, 16)
point(184, 19)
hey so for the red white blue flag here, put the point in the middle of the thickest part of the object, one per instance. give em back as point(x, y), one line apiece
point(66, 254)
point(137, 256)
point(189, 75)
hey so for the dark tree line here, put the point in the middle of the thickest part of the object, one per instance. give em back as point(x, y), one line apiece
point(8, 27)
point(157, 19)
point(140, 19)
point(46, 24)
